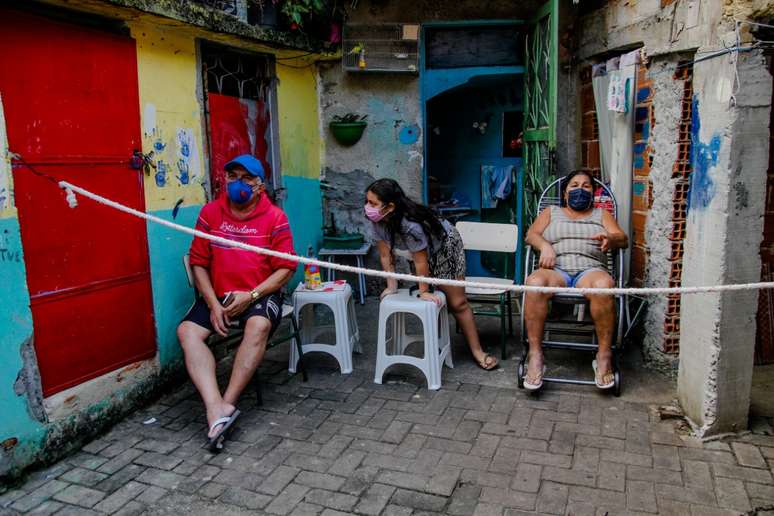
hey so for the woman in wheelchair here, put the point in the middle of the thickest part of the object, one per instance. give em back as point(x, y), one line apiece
point(435, 247)
point(573, 240)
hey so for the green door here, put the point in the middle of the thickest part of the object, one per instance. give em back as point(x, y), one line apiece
point(540, 80)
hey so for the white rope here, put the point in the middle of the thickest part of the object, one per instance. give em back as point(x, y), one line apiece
point(409, 277)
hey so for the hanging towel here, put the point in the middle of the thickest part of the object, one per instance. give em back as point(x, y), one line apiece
point(502, 180)
point(487, 201)
point(496, 184)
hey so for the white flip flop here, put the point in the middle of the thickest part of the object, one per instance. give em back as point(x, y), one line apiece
point(596, 378)
point(534, 386)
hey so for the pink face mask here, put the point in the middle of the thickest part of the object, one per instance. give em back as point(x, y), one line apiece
point(373, 214)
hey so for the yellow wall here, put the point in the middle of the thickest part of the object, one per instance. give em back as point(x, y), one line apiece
point(170, 104)
point(299, 126)
point(7, 208)
point(171, 115)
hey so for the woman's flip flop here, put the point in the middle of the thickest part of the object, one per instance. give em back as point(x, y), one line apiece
point(604, 381)
point(215, 443)
point(534, 386)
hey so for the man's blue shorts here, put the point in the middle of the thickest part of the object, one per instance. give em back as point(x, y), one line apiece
point(571, 280)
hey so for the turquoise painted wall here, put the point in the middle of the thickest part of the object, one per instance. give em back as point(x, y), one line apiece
point(303, 206)
point(172, 297)
point(16, 328)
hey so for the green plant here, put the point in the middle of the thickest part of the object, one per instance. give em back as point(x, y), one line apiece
point(298, 10)
point(349, 118)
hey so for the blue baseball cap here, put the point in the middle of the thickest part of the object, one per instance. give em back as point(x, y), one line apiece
point(251, 164)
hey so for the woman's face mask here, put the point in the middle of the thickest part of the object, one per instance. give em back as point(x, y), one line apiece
point(579, 199)
point(374, 209)
point(373, 213)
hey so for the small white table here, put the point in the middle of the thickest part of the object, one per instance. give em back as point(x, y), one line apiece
point(359, 254)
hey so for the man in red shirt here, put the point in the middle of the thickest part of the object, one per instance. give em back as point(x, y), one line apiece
point(237, 287)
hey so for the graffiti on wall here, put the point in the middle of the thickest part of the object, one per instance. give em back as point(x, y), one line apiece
point(704, 157)
point(176, 157)
point(187, 157)
point(7, 253)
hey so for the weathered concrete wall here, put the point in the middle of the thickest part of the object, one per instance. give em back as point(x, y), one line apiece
point(392, 104)
point(730, 157)
point(678, 27)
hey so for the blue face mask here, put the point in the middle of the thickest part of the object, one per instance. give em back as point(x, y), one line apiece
point(579, 199)
point(240, 192)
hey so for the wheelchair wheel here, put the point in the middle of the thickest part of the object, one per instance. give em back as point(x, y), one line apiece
point(520, 373)
point(617, 380)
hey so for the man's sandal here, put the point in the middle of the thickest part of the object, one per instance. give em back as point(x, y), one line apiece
point(488, 363)
point(215, 443)
point(533, 383)
point(604, 380)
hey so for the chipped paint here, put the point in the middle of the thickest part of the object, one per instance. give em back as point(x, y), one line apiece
point(5, 168)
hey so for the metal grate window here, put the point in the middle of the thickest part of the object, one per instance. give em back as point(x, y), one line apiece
point(247, 76)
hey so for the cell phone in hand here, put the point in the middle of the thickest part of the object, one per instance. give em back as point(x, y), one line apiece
point(228, 299)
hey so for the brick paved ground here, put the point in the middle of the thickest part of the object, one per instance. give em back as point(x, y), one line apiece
point(342, 444)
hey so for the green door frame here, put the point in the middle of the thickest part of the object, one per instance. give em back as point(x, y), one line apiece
point(540, 113)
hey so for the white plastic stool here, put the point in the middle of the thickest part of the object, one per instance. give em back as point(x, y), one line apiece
point(437, 342)
point(344, 323)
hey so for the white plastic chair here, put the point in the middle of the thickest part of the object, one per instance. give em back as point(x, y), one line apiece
point(500, 238)
point(435, 335)
point(342, 305)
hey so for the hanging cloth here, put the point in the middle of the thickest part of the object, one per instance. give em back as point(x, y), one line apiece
point(616, 132)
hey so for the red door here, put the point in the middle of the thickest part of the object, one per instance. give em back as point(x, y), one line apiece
point(237, 126)
point(72, 111)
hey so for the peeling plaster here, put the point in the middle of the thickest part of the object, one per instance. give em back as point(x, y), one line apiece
point(27, 382)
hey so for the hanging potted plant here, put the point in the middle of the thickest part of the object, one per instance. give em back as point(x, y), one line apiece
point(348, 129)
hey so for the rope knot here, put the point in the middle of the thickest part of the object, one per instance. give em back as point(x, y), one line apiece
point(72, 200)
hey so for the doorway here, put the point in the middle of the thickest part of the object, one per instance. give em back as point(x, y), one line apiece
point(489, 102)
point(475, 164)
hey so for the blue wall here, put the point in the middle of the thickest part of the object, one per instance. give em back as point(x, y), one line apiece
point(303, 206)
point(172, 297)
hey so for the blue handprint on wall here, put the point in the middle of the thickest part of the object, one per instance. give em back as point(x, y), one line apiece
point(161, 174)
point(185, 145)
point(182, 167)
